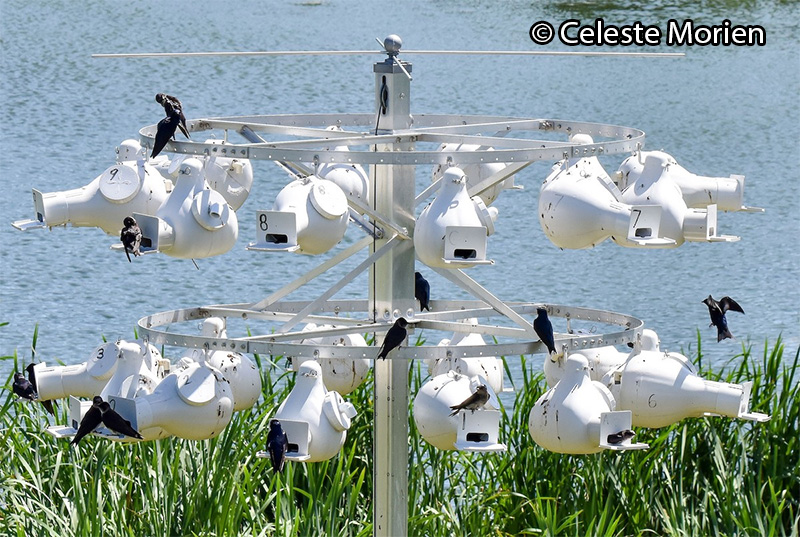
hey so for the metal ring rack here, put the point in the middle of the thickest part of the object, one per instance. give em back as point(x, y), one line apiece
point(393, 142)
point(315, 145)
point(152, 328)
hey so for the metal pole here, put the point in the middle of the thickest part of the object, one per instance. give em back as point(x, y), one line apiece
point(392, 296)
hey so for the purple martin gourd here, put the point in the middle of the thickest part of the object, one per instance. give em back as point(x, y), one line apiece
point(394, 337)
point(717, 310)
point(473, 402)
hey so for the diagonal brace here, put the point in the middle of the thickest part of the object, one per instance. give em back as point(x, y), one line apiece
point(350, 276)
point(458, 277)
point(313, 273)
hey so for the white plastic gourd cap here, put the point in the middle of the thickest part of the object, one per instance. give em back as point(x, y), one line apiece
point(119, 184)
point(328, 199)
point(339, 412)
point(197, 385)
point(487, 214)
point(210, 209)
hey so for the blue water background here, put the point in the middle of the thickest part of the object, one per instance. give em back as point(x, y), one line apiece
point(719, 110)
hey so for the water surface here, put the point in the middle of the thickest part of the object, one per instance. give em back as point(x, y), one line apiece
point(718, 111)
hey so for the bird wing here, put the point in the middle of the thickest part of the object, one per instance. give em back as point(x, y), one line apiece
point(544, 329)
point(164, 131)
point(182, 125)
point(137, 240)
point(89, 423)
point(466, 402)
point(727, 303)
point(48, 405)
point(32, 376)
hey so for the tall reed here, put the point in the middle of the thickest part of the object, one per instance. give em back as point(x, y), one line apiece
point(699, 477)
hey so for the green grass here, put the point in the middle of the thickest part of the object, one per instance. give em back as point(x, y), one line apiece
point(709, 476)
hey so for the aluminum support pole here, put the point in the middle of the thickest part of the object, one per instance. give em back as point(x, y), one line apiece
point(392, 296)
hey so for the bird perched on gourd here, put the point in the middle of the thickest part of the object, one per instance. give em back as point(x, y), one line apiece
point(473, 402)
point(277, 445)
point(131, 237)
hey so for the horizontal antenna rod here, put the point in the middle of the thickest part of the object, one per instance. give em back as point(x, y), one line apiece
point(545, 53)
point(355, 52)
point(253, 53)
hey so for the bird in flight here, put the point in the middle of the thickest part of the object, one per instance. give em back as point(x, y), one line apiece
point(717, 310)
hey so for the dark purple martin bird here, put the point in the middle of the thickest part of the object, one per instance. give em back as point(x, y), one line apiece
point(544, 329)
point(90, 421)
point(618, 438)
point(113, 421)
point(172, 104)
point(131, 237)
point(165, 131)
point(394, 337)
point(23, 388)
point(48, 405)
point(717, 310)
point(473, 402)
point(422, 291)
point(277, 445)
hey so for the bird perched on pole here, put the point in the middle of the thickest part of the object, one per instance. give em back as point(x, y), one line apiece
point(422, 291)
point(131, 237)
point(394, 337)
point(717, 310)
point(277, 445)
point(473, 402)
point(544, 329)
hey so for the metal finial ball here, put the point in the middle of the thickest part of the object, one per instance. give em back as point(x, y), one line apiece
point(392, 44)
